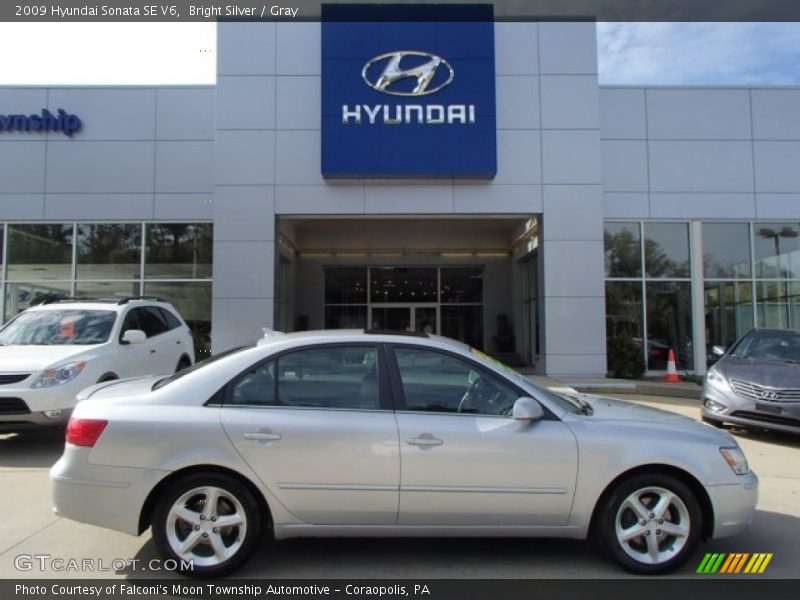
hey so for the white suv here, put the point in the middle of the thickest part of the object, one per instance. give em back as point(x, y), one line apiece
point(50, 352)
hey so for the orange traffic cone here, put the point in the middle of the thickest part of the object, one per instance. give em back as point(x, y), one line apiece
point(672, 373)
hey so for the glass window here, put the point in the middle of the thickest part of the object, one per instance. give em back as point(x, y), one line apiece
point(21, 295)
point(59, 327)
point(623, 250)
point(172, 320)
point(192, 300)
point(2, 235)
point(437, 382)
point(39, 252)
point(778, 304)
point(345, 317)
point(463, 323)
point(781, 346)
point(341, 377)
point(256, 387)
point(403, 284)
point(146, 318)
point(107, 251)
point(777, 250)
point(726, 250)
point(345, 285)
point(462, 284)
point(729, 314)
point(669, 324)
point(178, 251)
point(107, 289)
point(666, 249)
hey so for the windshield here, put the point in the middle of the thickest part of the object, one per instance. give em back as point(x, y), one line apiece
point(197, 366)
point(566, 402)
point(770, 345)
point(59, 327)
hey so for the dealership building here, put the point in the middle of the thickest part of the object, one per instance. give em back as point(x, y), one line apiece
point(463, 177)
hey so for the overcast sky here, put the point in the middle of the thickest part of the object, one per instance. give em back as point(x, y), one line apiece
point(184, 53)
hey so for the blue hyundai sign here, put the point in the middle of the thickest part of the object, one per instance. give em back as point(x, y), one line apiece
point(408, 91)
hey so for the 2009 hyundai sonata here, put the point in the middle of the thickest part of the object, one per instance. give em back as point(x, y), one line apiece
point(352, 433)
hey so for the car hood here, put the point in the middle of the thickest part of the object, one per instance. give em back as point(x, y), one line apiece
point(28, 359)
point(620, 412)
point(769, 373)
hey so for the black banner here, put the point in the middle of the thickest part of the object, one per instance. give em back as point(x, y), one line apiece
point(653, 588)
point(310, 10)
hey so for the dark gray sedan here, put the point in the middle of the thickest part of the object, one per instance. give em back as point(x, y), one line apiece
point(757, 382)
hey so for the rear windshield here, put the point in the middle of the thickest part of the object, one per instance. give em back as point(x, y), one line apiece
point(196, 367)
point(59, 327)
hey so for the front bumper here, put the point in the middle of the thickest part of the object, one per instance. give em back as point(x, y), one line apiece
point(23, 407)
point(110, 497)
point(778, 416)
point(734, 505)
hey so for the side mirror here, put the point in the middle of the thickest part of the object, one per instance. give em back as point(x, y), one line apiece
point(134, 336)
point(527, 409)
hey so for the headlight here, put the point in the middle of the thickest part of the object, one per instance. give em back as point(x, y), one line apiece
point(736, 459)
point(717, 380)
point(59, 375)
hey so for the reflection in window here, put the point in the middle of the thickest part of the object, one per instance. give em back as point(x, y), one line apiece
point(346, 285)
point(345, 317)
point(777, 250)
point(341, 377)
point(669, 324)
point(178, 251)
point(623, 252)
point(21, 295)
point(726, 250)
point(778, 304)
point(462, 285)
point(729, 313)
point(666, 249)
point(436, 382)
point(39, 252)
point(109, 251)
point(403, 284)
point(192, 300)
point(464, 323)
point(256, 387)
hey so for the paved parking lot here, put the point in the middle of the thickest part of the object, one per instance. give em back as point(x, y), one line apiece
point(31, 529)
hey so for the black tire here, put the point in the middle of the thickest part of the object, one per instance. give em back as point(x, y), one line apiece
point(169, 531)
point(672, 551)
point(183, 363)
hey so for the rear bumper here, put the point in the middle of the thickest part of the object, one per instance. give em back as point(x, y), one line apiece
point(734, 505)
point(110, 497)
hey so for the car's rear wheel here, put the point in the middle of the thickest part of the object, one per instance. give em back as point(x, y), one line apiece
point(650, 524)
point(210, 521)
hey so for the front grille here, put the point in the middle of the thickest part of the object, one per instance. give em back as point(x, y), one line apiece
point(760, 392)
point(766, 418)
point(6, 378)
point(13, 406)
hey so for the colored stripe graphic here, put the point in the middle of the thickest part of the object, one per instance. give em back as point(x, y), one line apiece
point(733, 563)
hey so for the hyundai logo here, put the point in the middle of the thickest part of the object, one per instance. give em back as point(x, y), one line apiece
point(768, 395)
point(393, 72)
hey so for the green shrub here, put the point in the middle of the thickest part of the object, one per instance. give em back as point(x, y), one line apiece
point(625, 360)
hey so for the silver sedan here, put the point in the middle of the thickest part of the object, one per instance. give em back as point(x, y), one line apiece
point(756, 383)
point(352, 433)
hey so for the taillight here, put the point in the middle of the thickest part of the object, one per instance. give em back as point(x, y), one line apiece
point(85, 432)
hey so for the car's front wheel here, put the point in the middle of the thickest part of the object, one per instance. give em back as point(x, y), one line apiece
point(650, 524)
point(209, 524)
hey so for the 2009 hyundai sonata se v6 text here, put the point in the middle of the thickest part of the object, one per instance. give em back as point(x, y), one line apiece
point(353, 433)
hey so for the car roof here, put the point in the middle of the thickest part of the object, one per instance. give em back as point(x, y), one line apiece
point(360, 335)
point(98, 304)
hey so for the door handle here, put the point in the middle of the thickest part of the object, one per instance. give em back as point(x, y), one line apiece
point(424, 440)
point(262, 436)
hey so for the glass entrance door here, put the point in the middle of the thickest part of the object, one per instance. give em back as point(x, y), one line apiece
point(423, 318)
